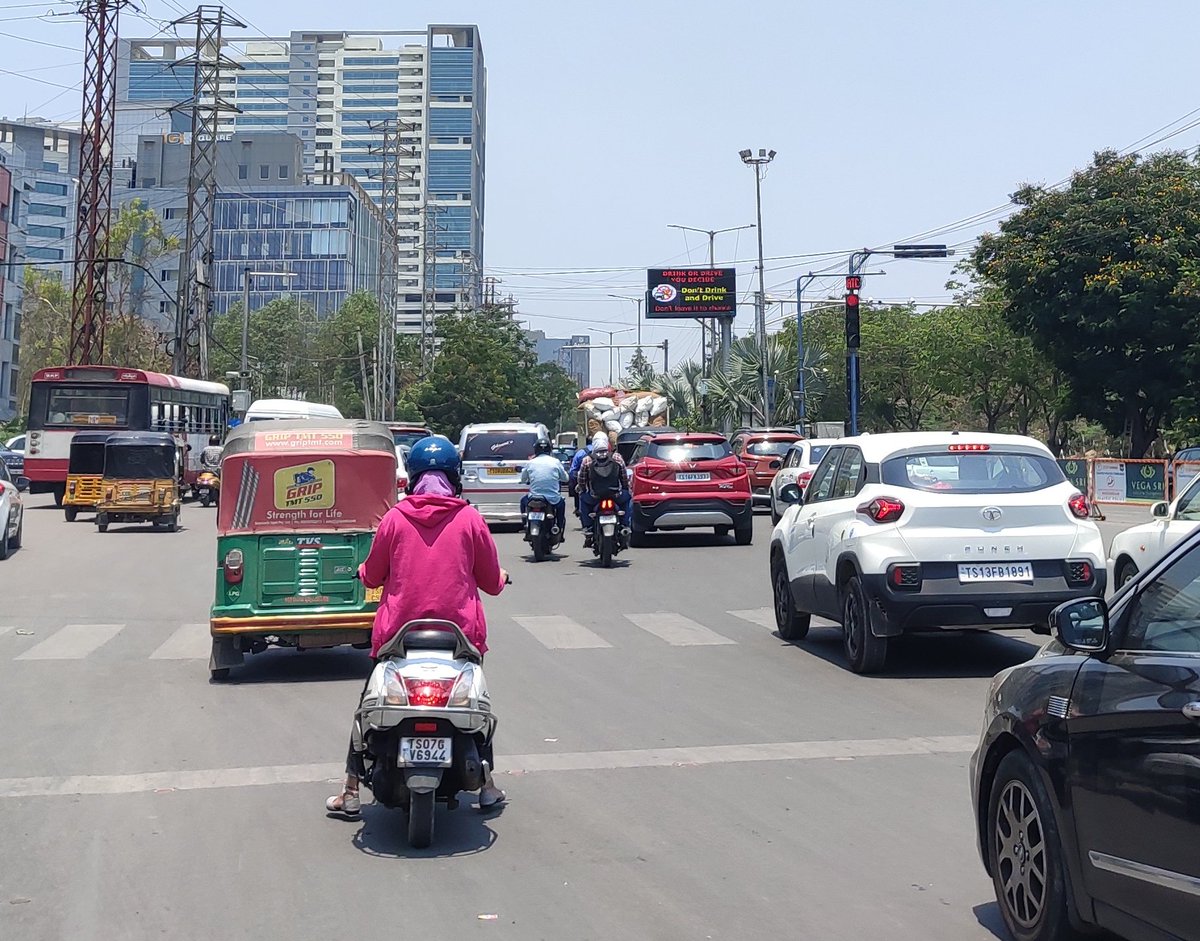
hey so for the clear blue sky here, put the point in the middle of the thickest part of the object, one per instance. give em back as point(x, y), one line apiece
point(607, 122)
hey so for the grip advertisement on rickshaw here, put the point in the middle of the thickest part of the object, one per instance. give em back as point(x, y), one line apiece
point(280, 487)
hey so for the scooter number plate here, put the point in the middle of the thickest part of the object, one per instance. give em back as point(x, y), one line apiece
point(426, 751)
point(607, 520)
point(535, 515)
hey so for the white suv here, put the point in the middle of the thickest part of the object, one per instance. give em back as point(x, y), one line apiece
point(906, 533)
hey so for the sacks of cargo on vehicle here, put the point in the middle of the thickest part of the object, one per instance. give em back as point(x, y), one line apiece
point(595, 392)
point(659, 408)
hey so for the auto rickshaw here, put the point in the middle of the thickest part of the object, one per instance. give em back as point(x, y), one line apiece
point(141, 480)
point(85, 472)
point(302, 501)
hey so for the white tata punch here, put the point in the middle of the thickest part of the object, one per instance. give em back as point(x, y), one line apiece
point(930, 531)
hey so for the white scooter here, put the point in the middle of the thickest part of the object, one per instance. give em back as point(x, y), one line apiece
point(425, 724)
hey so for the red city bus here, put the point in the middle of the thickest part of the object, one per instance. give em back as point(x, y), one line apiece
point(66, 399)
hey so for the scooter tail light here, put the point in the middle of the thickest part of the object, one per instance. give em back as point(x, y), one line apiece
point(234, 566)
point(1079, 506)
point(394, 693)
point(460, 696)
point(428, 691)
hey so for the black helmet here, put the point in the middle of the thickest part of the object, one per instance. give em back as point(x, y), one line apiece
point(543, 446)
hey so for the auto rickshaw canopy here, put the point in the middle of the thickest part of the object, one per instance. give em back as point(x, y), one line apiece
point(306, 475)
point(87, 452)
point(141, 455)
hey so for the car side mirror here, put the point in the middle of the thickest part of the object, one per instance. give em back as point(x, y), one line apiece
point(1160, 510)
point(1081, 625)
point(791, 495)
point(775, 465)
point(22, 484)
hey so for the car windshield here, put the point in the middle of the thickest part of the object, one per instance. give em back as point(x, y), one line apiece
point(407, 439)
point(676, 452)
point(500, 446)
point(765, 448)
point(972, 472)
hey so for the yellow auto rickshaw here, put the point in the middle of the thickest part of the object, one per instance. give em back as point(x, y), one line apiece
point(142, 471)
point(85, 472)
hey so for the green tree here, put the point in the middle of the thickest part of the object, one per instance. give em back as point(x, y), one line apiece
point(641, 373)
point(1104, 276)
point(486, 370)
point(45, 327)
point(336, 351)
point(280, 350)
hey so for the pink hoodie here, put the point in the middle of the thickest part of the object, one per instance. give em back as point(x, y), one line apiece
point(432, 555)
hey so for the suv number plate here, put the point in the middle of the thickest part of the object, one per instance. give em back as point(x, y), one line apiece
point(687, 477)
point(996, 572)
point(426, 751)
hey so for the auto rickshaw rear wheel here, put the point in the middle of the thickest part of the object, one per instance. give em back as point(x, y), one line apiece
point(102, 522)
point(71, 512)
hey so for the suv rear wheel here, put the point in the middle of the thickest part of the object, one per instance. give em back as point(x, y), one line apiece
point(865, 652)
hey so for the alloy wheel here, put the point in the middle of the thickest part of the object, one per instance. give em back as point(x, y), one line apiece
point(852, 616)
point(1021, 854)
point(781, 595)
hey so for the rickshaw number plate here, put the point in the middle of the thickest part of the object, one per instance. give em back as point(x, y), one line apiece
point(426, 751)
point(374, 595)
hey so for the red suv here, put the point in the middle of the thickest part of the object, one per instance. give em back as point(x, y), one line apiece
point(762, 452)
point(682, 481)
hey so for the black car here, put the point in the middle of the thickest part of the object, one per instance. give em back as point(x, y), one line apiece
point(1086, 782)
point(13, 460)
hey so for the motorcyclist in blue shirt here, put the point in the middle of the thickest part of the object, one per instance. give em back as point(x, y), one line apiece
point(544, 476)
point(573, 475)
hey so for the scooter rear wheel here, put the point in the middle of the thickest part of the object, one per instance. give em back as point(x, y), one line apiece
point(421, 809)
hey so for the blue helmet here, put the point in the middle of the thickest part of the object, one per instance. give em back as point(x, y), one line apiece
point(434, 454)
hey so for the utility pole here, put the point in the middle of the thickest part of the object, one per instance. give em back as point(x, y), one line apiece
point(192, 314)
point(388, 261)
point(93, 211)
point(429, 230)
point(760, 302)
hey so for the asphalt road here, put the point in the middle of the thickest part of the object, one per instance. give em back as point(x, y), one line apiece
point(674, 769)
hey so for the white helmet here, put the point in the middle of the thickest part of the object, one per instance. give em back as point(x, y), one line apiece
point(600, 442)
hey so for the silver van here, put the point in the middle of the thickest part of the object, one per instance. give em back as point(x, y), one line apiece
point(493, 456)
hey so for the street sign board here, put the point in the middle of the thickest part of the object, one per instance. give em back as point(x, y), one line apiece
point(691, 293)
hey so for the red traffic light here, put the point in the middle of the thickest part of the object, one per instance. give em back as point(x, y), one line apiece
point(851, 300)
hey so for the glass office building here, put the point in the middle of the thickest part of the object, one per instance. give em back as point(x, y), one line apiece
point(334, 90)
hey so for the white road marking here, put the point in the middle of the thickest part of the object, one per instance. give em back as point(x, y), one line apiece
point(677, 630)
point(73, 642)
point(561, 633)
point(190, 642)
point(761, 616)
point(99, 784)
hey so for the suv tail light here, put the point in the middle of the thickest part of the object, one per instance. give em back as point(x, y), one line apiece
point(234, 566)
point(904, 577)
point(883, 509)
point(1079, 506)
point(1079, 572)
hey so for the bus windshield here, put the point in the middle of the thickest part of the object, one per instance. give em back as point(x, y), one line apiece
point(86, 405)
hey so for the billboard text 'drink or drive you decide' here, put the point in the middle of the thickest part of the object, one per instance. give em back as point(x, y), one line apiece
point(700, 293)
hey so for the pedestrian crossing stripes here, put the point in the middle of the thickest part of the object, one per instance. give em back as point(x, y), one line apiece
point(554, 632)
point(677, 630)
point(561, 633)
point(190, 642)
point(73, 642)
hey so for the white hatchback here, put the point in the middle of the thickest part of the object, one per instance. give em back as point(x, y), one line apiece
point(1139, 547)
point(921, 532)
point(799, 463)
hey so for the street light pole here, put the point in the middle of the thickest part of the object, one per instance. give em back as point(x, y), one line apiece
point(247, 274)
point(611, 346)
point(638, 301)
point(764, 157)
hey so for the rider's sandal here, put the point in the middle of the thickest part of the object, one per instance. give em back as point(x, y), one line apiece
point(347, 803)
point(491, 797)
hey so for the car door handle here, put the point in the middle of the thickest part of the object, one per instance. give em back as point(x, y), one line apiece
point(1192, 710)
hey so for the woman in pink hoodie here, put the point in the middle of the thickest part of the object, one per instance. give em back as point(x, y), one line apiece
point(432, 555)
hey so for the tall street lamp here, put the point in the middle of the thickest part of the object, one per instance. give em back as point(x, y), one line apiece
point(758, 162)
point(726, 340)
point(638, 301)
point(247, 274)
point(611, 348)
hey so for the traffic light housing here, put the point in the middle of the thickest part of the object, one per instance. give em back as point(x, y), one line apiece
point(853, 322)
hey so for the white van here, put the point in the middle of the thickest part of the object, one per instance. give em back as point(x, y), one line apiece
point(493, 456)
point(265, 409)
